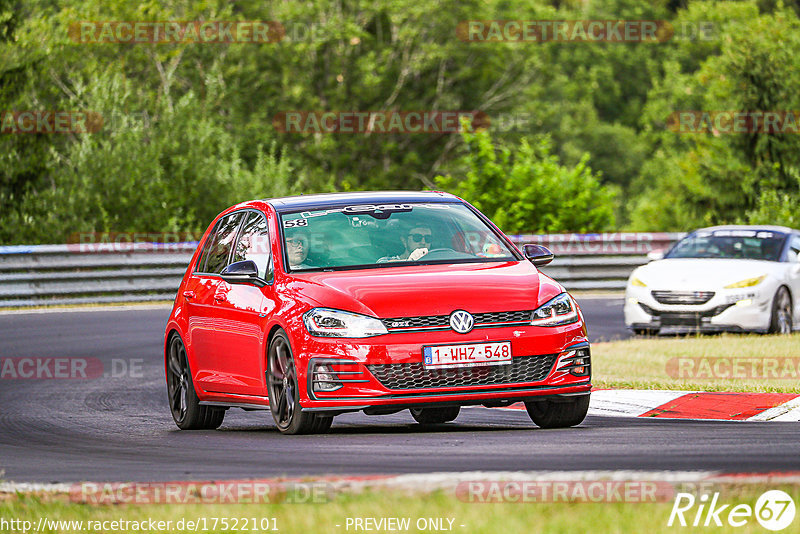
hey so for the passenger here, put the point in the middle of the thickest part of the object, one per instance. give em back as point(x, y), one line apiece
point(297, 250)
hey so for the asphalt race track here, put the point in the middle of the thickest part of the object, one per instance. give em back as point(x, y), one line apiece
point(119, 428)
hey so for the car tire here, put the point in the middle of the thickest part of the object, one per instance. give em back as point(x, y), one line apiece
point(187, 412)
point(435, 416)
point(781, 318)
point(558, 414)
point(284, 393)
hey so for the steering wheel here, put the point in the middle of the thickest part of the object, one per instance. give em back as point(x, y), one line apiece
point(445, 253)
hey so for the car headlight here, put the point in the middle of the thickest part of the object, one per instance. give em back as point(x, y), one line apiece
point(326, 322)
point(638, 283)
point(558, 311)
point(750, 282)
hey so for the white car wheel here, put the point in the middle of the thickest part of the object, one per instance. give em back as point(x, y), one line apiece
point(781, 321)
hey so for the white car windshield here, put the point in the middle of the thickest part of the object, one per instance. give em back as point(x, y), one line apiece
point(389, 235)
point(731, 244)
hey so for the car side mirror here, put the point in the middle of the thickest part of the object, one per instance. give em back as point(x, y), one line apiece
point(538, 255)
point(655, 255)
point(241, 272)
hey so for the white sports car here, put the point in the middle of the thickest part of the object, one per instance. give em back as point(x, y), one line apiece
point(724, 278)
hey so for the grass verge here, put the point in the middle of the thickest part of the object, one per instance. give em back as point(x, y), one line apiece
point(705, 363)
point(332, 517)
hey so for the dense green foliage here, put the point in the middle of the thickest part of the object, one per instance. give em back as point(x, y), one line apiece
point(528, 188)
point(578, 139)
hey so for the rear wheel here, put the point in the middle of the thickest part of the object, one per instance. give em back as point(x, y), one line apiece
point(560, 413)
point(284, 395)
point(435, 416)
point(186, 409)
point(781, 319)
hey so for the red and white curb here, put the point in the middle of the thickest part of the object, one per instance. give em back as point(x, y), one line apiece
point(716, 406)
point(696, 405)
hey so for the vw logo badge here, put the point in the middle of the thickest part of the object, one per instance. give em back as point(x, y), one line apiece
point(461, 321)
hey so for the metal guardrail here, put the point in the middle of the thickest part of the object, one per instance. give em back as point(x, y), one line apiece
point(597, 261)
point(140, 272)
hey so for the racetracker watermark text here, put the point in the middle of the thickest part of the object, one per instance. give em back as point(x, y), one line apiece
point(209, 492)
point(378, 122)
point(100, 242)
point(49, 122)
point(734, 122)
point(707, 368)
point(68, 368)
point(137, 32)
point(564, 491)
point(540, 31)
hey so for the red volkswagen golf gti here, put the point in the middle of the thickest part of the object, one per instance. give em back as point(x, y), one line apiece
point(314, 306)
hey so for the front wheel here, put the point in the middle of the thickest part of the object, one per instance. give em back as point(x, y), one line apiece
point(284, 395)
point(186, 409)
point(781, 318)
point(435, 416)
point(560, 413)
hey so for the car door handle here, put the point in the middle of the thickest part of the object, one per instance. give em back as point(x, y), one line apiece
point(188, 294)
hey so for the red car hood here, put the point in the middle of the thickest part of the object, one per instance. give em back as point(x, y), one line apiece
point(429, 289)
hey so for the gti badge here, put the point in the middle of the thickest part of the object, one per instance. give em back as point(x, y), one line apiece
point(461, 321)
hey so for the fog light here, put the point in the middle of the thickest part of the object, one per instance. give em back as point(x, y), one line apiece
point(745, 302)
point(576, 362)
point(324, 379)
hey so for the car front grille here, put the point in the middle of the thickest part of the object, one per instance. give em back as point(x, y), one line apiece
point(416, 376)
point(682, 297)
point(442, 322)
point(684, 318)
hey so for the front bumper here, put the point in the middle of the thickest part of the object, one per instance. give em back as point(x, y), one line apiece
point(387, 371)
point(729, 310)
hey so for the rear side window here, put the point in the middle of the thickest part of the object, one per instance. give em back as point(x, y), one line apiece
point(219, 245)
point(254, 245)
point(206, 248)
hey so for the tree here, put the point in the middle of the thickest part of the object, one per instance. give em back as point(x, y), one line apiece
point(710, 177)
point(525, 189)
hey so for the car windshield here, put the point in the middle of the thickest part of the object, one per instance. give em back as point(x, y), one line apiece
point(389, 235)
point(731, 244)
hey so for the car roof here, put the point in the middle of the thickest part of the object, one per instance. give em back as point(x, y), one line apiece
point(765, 227)
point(324, 200)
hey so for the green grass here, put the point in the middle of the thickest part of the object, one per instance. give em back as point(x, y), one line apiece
point(567, 518)
point(655, 363)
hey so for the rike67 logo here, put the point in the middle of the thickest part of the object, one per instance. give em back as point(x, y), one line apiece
point(774, 510)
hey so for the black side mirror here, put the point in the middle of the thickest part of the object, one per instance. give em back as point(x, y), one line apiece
point(241, 271)
point(538, 255)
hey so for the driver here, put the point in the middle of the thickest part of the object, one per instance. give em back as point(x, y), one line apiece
point(416, 243)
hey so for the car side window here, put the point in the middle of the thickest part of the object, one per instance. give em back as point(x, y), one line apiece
point(254, 244)
point(794, 249)
point(201, 261)
point(220, 248)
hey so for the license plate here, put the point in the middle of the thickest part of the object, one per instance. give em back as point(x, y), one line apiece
point(467, 355)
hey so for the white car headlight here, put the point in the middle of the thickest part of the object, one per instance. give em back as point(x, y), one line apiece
point(326, 322)
point(556, 312)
